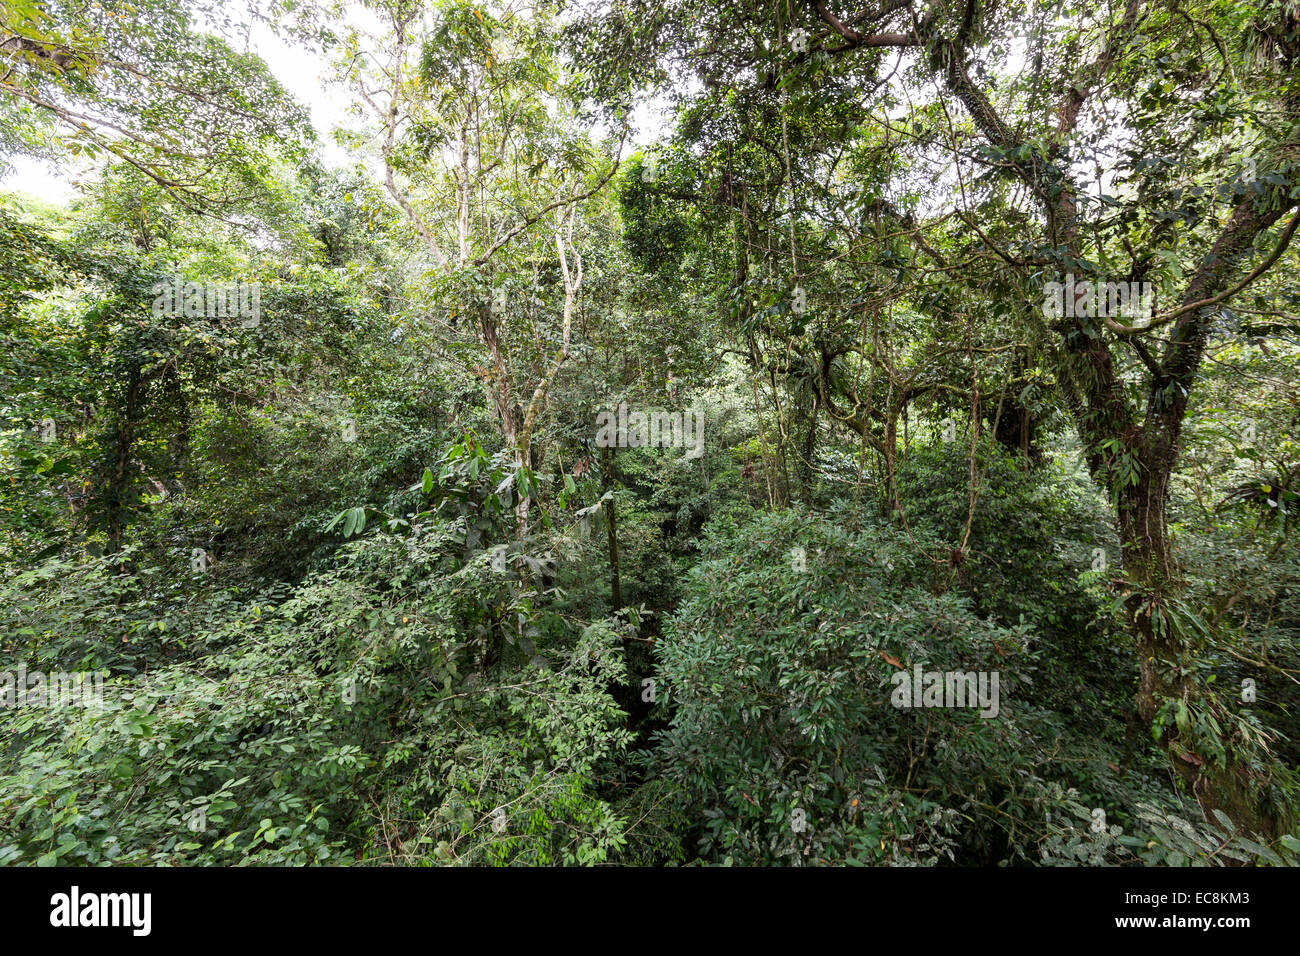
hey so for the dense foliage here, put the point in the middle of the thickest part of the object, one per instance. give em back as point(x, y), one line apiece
point(309, 462)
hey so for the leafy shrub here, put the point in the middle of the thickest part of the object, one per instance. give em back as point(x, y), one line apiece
point(784, 740)
point(350, 716)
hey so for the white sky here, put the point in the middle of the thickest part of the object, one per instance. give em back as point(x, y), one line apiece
point(36, 178)
point(298, 69)
point(303, 74)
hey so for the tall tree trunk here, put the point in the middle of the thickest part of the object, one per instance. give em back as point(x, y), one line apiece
point(115, 490)
point(809, 449)
point(611, 524)
point(1147, 565)
point(523, 444)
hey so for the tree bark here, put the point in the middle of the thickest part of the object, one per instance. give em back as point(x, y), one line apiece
point(611, 525)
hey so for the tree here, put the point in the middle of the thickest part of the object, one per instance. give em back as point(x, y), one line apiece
point(146, 86)
point(475, 114)
point(1053, 170)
